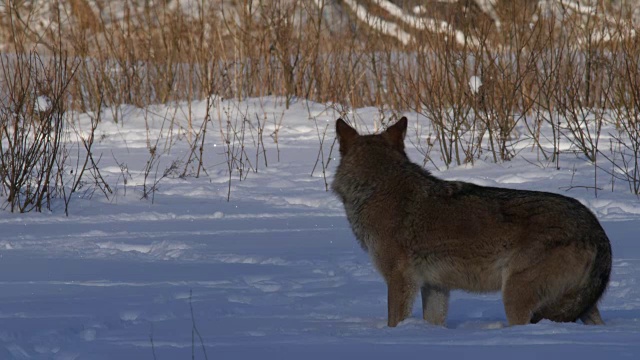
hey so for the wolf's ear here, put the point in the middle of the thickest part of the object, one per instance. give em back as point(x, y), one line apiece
point(395, 134)
point(346, 135)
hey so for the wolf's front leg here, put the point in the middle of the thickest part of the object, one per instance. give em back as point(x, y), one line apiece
point(401, 292)
point(435, 304)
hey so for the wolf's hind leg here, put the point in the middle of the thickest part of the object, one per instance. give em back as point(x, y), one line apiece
point(435, 304)
point(401, 292)
point(592, 317)
point(520, 298)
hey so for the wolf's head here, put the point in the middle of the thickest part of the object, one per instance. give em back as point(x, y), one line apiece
point(393, 137)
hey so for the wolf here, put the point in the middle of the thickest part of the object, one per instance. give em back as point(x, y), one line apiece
point(546, 253)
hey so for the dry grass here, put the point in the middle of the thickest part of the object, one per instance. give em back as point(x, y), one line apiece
point(538, 66)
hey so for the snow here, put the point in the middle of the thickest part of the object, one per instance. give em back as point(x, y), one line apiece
point(421, 23)
point(377, 23)
point(43, 103)
point(275, 272)
point(475, 82)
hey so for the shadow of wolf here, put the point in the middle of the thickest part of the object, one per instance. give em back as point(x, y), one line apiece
point(546, 252)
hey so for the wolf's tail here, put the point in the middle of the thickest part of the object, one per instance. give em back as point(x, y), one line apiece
point(581, 302)
point(598, 280)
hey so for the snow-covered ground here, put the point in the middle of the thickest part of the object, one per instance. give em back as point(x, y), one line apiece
point(275, 273)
